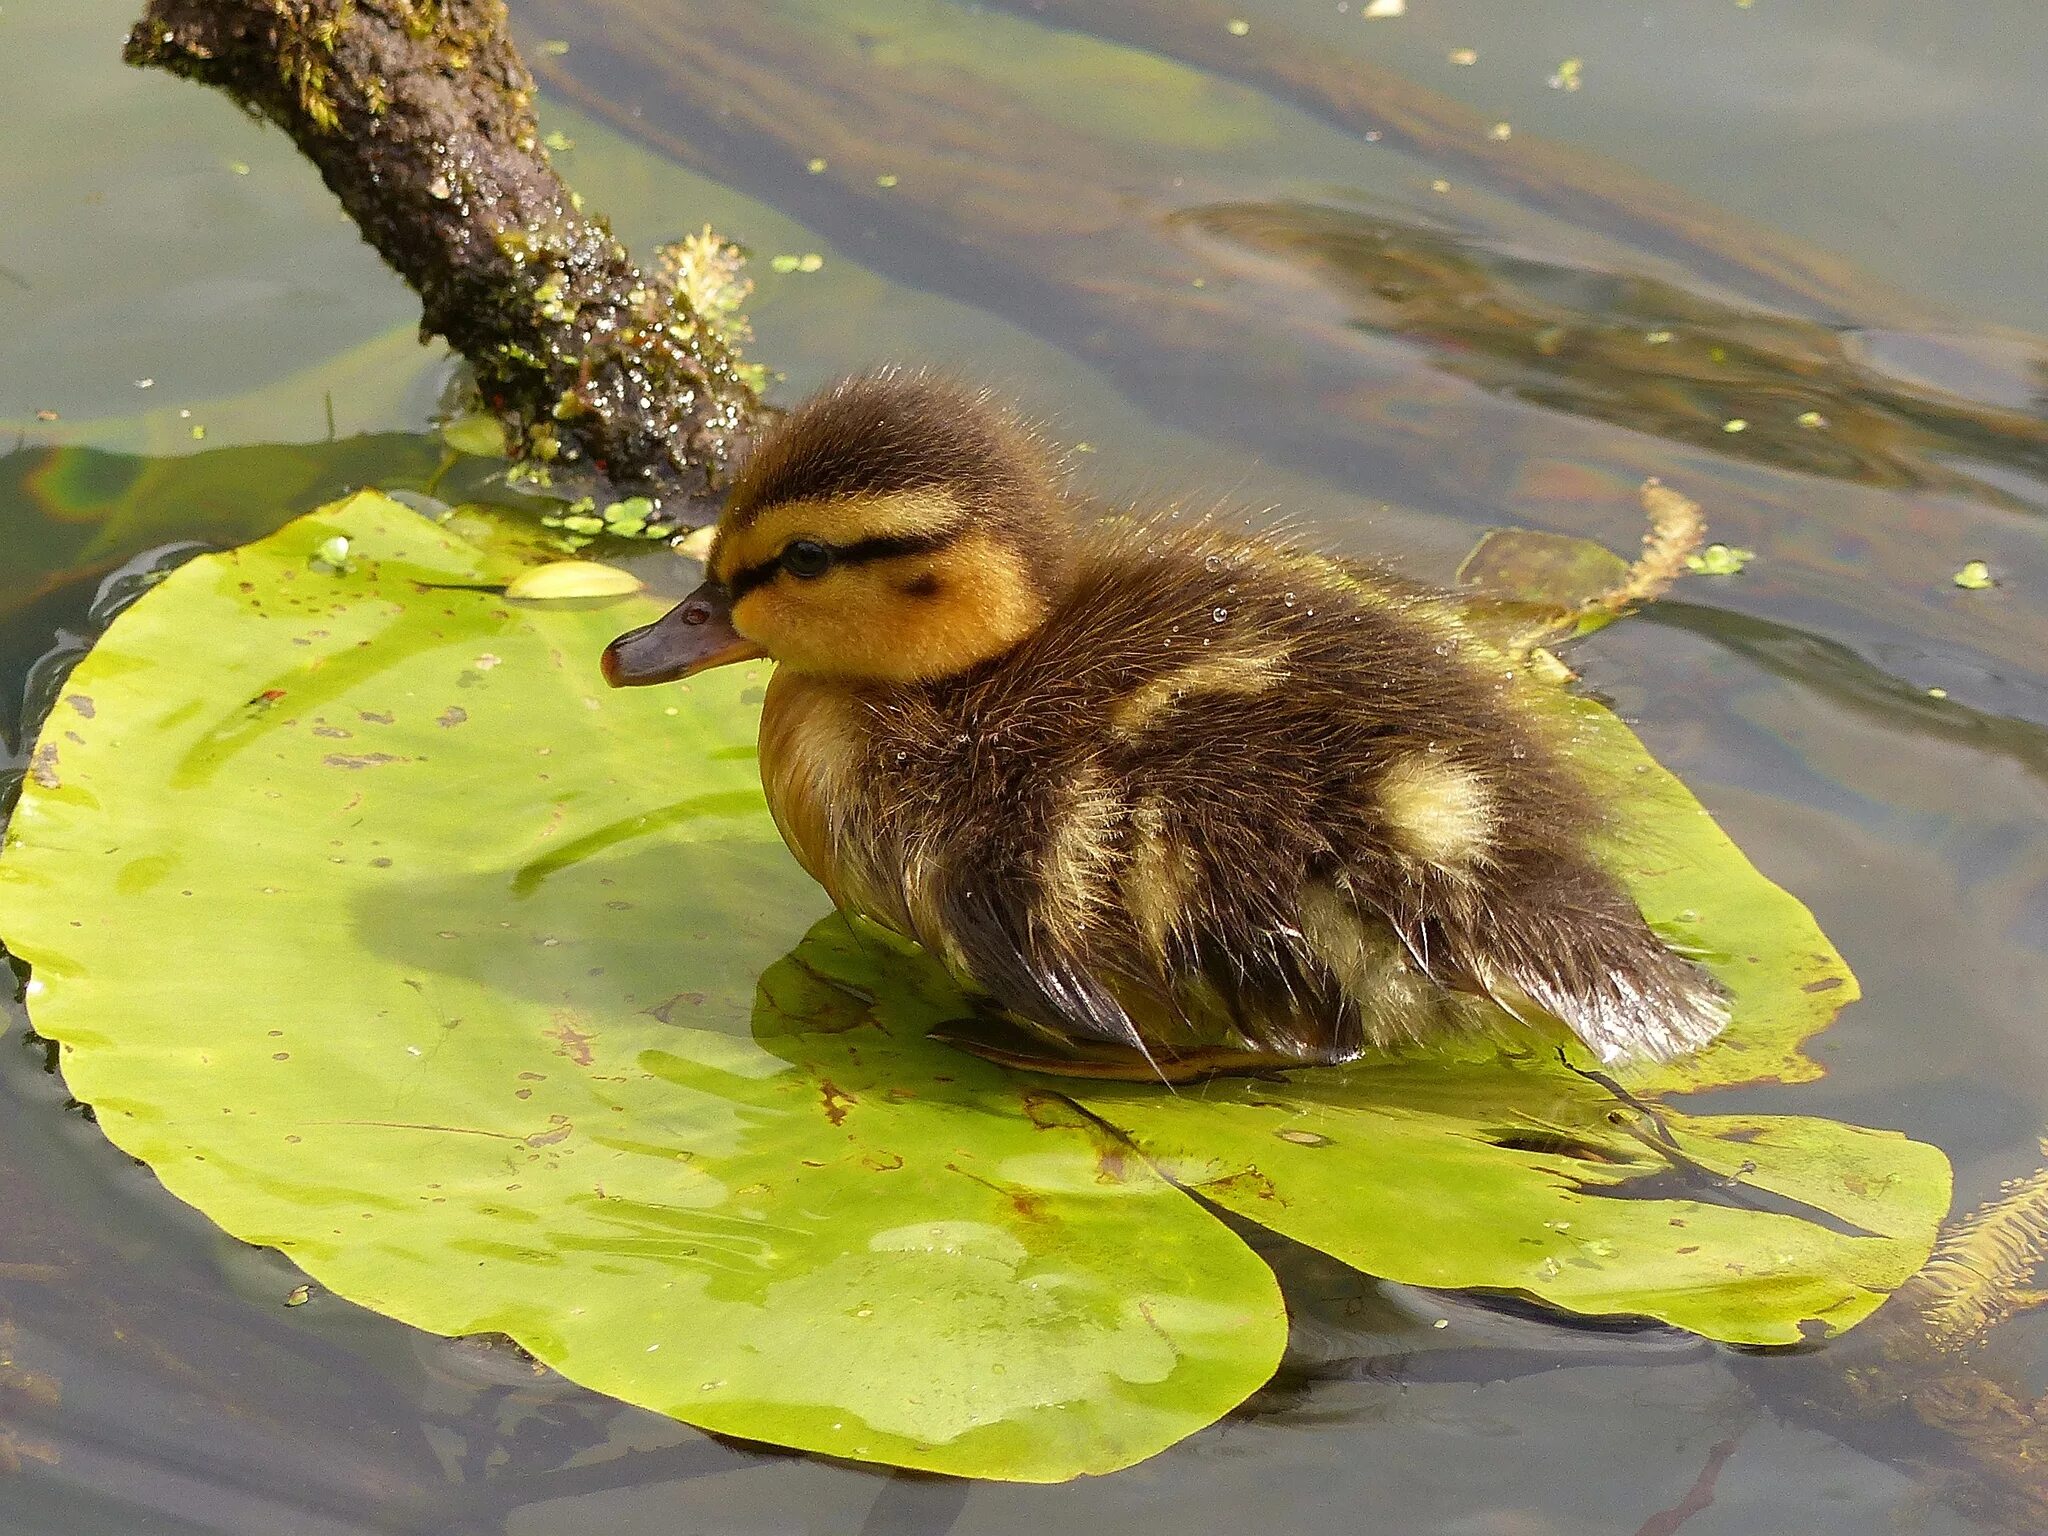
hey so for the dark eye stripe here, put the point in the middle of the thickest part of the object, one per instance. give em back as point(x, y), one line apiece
point(886, 547)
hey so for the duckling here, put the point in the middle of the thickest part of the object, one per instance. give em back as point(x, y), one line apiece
point(1164, 798)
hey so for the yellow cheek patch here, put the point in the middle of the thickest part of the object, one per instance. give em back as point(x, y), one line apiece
point(843, 522)
point(898, 619)
point(1239, 672)
point(1437, 811)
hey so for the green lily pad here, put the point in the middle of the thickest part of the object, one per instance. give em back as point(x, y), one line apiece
point(367, 917)
point(1533, 565)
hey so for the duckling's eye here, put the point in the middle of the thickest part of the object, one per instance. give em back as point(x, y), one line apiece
point(806, 559)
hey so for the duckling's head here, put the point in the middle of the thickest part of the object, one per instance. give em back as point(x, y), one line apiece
point(897, 527)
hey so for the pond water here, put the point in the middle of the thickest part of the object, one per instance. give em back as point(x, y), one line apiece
point(1402, 279)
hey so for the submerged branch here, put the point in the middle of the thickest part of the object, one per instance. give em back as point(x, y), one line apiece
point(419, 116)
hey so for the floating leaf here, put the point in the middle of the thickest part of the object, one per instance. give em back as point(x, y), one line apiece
point(492, 998)
point(1975, 577)
point(572, 578)
point(628, 519)
point(1720, 560)
point(1533, 583)
point(481, 437)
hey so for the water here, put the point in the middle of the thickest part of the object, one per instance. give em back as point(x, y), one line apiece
point(1229, 289)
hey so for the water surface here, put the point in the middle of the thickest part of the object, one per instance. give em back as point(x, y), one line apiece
point(1305, 275)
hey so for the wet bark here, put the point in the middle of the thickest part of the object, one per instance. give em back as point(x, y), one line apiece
point(419, 116)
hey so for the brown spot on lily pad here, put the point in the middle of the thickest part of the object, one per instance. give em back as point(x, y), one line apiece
point(361, 759)
point(571, 1040)
point(82, 703)
point(558, 1129)
point(452, 716)
point(837, 1101)
point(42, 767)
point(1825, 984)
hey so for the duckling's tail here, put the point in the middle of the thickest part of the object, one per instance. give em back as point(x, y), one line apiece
point(1590, 961)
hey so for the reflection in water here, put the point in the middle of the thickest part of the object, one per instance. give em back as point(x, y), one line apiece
point(1639, 352)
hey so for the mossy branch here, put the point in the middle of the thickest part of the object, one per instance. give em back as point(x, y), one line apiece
point(419, 116)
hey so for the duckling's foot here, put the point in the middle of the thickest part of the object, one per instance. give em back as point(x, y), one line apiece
point(1008, 1044)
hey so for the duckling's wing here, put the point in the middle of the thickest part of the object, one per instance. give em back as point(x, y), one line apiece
point(1022, 967)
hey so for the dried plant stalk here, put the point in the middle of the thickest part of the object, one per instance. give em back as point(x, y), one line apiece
point(1677, 529)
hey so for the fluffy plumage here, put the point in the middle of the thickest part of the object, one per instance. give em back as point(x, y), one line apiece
point(1149, 783)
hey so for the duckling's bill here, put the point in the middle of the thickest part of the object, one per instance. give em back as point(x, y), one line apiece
point(692, 637)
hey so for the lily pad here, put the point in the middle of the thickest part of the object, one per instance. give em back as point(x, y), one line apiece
point(1529, 563)
point(388, 937)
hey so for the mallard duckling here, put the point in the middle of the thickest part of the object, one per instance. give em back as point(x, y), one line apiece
point(1168, 798)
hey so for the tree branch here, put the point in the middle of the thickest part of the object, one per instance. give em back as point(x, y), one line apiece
point(419, 116)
